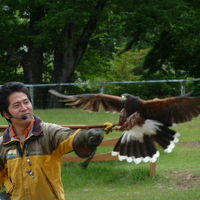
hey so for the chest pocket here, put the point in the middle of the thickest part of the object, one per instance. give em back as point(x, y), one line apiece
point(12, 154)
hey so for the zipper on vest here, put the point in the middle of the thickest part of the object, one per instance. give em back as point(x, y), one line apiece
point(30, 171)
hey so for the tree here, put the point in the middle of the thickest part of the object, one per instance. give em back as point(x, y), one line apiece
point(60, 29)
point(177, 46)
point(58, 41)
point(69, 51)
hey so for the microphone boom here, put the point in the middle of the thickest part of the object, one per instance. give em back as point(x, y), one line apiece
point(24, 117)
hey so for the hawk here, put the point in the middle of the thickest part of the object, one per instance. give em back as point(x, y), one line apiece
point(144, 123)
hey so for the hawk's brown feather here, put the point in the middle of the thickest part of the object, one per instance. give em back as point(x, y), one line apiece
point(92, 102)
point(172, 109)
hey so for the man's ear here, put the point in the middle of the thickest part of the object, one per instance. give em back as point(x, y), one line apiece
point(6, 115)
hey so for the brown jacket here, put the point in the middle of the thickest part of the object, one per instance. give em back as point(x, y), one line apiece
point(32, 170)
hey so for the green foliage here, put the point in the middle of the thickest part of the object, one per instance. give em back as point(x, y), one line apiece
point(10, 73)
point(175, 51)
point(157, 39)
point(92, 68)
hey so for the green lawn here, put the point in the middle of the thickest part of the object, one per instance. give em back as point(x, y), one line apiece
point(177, 174)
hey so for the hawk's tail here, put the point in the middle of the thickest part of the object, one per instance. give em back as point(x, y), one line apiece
point(142, 148)
point(136, 151)
point(166, 138)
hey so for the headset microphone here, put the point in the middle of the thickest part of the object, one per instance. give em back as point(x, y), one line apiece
point(24, 117)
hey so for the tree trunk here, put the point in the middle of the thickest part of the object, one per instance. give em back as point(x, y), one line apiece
point(68, 53)
point(33, 61)
point(33, 66)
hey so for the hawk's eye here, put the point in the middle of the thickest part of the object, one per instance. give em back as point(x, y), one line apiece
point(123, 97)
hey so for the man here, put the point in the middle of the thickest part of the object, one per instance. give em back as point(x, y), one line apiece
point(31, 150)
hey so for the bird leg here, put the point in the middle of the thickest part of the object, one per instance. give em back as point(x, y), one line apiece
point(109, 127)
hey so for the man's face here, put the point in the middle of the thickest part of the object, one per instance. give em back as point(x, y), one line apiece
point(19, 105)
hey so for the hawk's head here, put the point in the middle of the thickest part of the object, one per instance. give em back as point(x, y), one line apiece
point(131, 103)
point(127, 97)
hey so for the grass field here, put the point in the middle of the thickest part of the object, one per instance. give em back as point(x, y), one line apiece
point(177, 176)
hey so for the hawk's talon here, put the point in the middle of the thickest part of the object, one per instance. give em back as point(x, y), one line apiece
point(108, 127)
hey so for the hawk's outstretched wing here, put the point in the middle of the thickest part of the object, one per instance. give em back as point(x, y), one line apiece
point(173, 109)
point(91, 102)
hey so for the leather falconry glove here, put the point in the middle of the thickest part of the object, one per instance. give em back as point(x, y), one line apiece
point(86, 142)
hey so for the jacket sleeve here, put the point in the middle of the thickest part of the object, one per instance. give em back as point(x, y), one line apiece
point(1, 180)
point(61, 140)
point(2, 174)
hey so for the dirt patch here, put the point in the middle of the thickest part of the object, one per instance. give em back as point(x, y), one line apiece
point(191, 144)
point(184, 179)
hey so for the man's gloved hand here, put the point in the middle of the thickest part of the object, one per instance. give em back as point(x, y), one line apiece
point(92, 137)
point(86, 141)
point(95, 136)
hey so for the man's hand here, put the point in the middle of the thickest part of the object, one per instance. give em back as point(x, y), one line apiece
point(95, 136)
point(92, 137)
point(86, 141)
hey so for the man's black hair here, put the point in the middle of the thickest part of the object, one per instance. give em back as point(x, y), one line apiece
point(6, 90)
